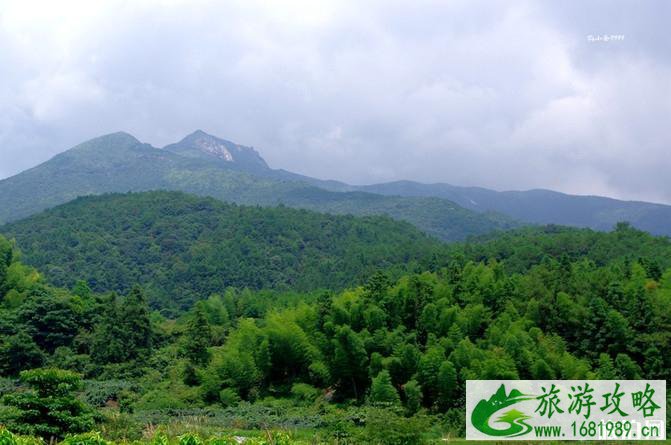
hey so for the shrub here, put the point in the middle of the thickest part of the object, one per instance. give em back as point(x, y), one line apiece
point(413, 396)
point(159, 399)
point(385, 427)
point(382, 392)
point(120, 426)
point(229, 397)
point(160, 439)
point(302, 392)
point(455, 422)
point(49, 409)
point(98, 393)
point(92, 438)
point(7, 438)
point(190, 439)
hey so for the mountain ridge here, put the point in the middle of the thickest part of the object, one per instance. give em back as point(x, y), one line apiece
point(118, 163)
point(206, 165)
point(542, 206)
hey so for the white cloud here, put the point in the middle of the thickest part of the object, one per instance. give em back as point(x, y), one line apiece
point(499, 94)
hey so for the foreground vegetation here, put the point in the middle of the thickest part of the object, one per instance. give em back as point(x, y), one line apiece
point(385, 362)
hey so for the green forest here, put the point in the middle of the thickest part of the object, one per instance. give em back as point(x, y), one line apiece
point(335, 222)
point(182, 248)
point(349, 339)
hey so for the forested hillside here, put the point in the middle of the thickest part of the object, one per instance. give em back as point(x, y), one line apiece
point(205, 165)
point(182, 248)
point(563, 304)
point(521, 249)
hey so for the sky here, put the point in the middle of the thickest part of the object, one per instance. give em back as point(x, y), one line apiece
point(510, 95)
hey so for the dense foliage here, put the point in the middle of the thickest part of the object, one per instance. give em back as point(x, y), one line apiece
point(539, 303)
point(524, 248)
point(49, 409)
point(181, 247)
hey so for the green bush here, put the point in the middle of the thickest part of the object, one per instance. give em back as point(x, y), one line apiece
point(384, 427)
point(120, 426)
point(382, 392)
point(7, 438)
point(229, 397)
point(160, 439)
point(190, 439)
point(413, 396)
point(92, 438)
point(158, 399)
point(98, 393)
point(49, 409)
point(304, 393)
point(455, 422)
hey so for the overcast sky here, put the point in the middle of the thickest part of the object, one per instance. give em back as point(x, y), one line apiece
point(501, 94)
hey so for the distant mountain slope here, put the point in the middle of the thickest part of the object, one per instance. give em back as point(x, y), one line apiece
point(541, 206)
point(208, 166)
point(205, 165)
point(182, 247)
point(520, 249)
point(438, 217)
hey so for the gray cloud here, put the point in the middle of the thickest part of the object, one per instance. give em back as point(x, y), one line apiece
point(508, 95)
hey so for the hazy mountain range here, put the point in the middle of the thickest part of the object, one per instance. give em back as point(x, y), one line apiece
point(205, 165)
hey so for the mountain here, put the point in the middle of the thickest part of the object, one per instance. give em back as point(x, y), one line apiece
point(181, 247)
point(204, 165)
point(200, 145)
point(541, 206)
point(116, 162)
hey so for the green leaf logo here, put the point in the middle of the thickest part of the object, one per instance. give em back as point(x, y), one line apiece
point(486, 409)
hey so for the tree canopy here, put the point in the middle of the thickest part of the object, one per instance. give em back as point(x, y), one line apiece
point(545, 303)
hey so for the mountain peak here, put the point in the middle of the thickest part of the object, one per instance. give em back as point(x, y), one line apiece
point(106, 144)
point(200, 133)
point(202, 145)
point(122, 134)
point(117, 137)
point(211, 145)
